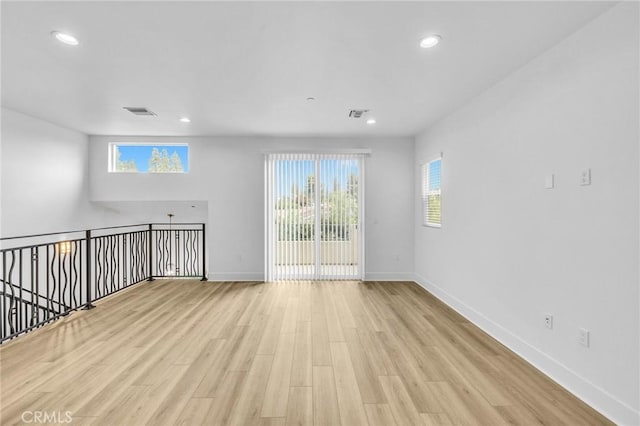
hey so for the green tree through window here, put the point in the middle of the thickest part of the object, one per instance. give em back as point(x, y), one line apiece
point(149, 158)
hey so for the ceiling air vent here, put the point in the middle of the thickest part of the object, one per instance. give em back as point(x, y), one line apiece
point(139, 111)
point(357, 113)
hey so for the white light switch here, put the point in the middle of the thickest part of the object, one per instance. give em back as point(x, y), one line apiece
point(585, 177)
point(548, 181)
point(583, 337)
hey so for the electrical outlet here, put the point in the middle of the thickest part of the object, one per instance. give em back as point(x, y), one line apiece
point(583, 337)
point(548, 321)
point(585, 177)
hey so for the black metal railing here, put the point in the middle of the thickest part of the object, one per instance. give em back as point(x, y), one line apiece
point(46, 276)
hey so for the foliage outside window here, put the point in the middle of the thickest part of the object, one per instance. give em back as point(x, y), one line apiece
point(148, 158)
point(296, 210)
point(432, 193)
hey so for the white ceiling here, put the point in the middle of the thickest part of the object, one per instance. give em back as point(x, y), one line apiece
point(247, 68)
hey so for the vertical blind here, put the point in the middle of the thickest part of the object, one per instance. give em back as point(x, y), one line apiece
point(432, 193)
point(314, 216)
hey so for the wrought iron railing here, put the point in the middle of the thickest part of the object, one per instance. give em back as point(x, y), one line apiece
point(46, 276)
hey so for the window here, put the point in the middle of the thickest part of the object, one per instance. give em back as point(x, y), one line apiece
point(432, 193)
point(148, 158)
point(314, 210)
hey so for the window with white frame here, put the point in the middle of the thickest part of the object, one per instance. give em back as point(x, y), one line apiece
point(132, 157)
point(432, 193)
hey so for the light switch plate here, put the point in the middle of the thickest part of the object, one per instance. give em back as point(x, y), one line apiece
point(583, 337)
point(585, 177)
point(548, 181)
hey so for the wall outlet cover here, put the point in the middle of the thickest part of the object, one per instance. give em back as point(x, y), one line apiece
point(548, 321)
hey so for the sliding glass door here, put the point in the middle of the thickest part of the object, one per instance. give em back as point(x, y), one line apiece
point(314, 217)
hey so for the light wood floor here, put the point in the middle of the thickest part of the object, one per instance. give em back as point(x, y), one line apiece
point(324, 353)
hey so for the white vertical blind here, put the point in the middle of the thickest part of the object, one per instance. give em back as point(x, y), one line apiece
point(314, 216)
point(432, 193)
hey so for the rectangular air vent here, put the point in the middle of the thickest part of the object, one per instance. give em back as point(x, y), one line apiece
point(357, 113)
point(139, 111)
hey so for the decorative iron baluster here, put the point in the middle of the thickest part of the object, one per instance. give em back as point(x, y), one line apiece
point(145, 237)
point(60, 294)
point(150, 251)
point(167, 248)
point(105, 271)
point(112, 264)
point(135, 265)
point(13, 311)
point(3, 312)
point(66, 279)
point(124, 260)
point(194, 251)
point(89, 266)
point(47, 289)
point(187, 253)
point(116, 263)
point(105, 259)
point(160, 251)
point(54, 281)
point(177, 251)
point(74, 247)
point(141, 255)
point(22, 318)
point(195, 248)
point(139, 258)
point(34, 316)
point(134, 257)
point(34, 287)
point(204, 252)
point(99, 266)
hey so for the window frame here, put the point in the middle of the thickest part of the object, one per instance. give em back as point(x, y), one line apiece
point(111, 163)
point(425, 175)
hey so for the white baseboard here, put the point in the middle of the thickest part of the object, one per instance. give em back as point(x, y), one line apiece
point(602, 401)
point(388, 276)
point(235, 276)
point(259, 276)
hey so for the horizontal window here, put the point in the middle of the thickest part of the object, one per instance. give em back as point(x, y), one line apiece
point(148, 158)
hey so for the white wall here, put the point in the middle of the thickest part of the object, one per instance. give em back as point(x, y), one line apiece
point(228, 174)
point(510, 250)
point(44, 177)
point(113, 213)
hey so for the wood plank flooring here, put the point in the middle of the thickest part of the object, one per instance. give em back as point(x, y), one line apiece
point(296, 353)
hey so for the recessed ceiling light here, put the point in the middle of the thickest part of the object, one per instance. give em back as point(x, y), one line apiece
point(185, 120)
point(65, 38)
point(371, 121)
point(430, 41)
point(311, 99)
